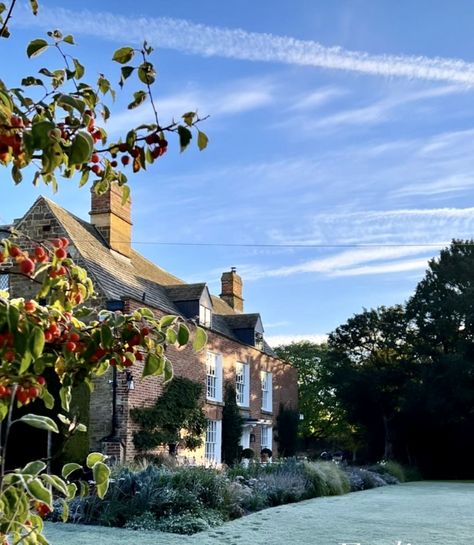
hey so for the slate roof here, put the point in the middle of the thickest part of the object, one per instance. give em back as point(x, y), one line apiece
point(185, 292)
point(138, 278)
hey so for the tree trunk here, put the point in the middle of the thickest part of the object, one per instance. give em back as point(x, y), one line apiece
point(388, 448)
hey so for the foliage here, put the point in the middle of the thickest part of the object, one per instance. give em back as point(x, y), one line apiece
point(326, 479)
point(364, 479)
point(393, 468)
point(324, 417)
point(49, 126)
point(182, 498)
point(178, 409)
point(287, 431)
point(231, 426)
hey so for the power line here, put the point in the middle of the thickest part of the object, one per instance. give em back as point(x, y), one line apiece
point(284, 245)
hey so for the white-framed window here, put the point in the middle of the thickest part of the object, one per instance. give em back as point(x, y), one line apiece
point(266, 438)
point(213, 444)
point(266, 379)
point(242, 383)
point(214, 376)
point(205, 316)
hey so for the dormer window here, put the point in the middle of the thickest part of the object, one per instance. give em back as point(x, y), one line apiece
point(205, 316)
point(259, 341)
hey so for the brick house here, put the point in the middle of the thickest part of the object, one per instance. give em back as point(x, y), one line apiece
point(125, 280)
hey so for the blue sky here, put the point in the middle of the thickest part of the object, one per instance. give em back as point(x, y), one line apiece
point(346, 127)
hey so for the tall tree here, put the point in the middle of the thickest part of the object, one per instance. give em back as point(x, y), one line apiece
point(232, 422)
point(371, 364)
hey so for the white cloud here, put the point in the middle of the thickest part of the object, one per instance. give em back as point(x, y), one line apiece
point(241, 96)
point(277, 340)
point(318, 98)
point(189, 37)
point(386, 268)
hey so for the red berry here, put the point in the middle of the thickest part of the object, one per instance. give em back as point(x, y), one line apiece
point(61, 253)
point(22, 396)
point(138, 356)
point(33, 392)
point(48, 337)
point(125, 160)
point(40, 253)
point(122, 147)
point(150, 139)
point(135, 152)
point(41, 380)
point(15, 251)
point(61, 271)
point(74, 337)
point(65, 242)
point(3, 391)
point(30, 306)
point(70, 346)
point(9, 356)
point(27, 266)
point(78, 299)
point(145, 331)
point(95, 158)
point(113, 164)
point(96, 169)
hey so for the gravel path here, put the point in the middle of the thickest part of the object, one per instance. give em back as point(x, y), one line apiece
point(427, 513)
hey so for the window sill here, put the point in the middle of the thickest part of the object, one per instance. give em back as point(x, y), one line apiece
point(245, 406)
point(215, 402)
point(267, 411)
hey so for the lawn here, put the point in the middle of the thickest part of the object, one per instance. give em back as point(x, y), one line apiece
point(427, 513)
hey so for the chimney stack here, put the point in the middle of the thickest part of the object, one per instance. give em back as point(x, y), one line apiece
point(112, 219)
point(231, 288)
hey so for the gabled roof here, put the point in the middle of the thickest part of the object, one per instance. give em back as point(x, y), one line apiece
point(185, 292)
point(137, 278)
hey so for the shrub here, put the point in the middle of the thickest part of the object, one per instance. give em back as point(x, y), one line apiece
point(393, 468)
point(287, 430)
point(189, 523)
point(231, 426)
point(145, 521)
point(326, 479)
point(363, 479)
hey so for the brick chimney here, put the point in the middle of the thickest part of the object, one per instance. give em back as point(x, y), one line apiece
point(112, 219)
point(232, 290)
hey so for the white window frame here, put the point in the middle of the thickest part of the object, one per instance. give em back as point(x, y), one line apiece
point(214, 376)
point(242, 384)
point(267, 390)
point(205, 316)
point(266, 438)
point(213, 442)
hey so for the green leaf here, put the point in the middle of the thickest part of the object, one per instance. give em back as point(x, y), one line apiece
point(183, 335)
point(16, 175)
point(203, 140)
point(36, 342)
point(123, 55)
point(65, 396)
point(56, 482)
point(84, 178)
point(189, 118)
point(40, 134)
point(168, 320)
point(47, 398)
point(93, 458)
point(71, 491)
point(125, 194)
point(39, 421)
point(68, 39)
point(106, 337)
point(33, 468)
point(168, 371)
point(67, 101)
point(185, 137)
point(69, 468)
point(126, 71)
point(81, 149)
point(146, 73)
point(39, 492)
point(154, 365)
point(200, 339)
point(36, 47)
point(139, 98)
point(34, 6)
point(80, 70)
point(101, 474)
point(65, 512)
point(171, 336)
point(30, 80)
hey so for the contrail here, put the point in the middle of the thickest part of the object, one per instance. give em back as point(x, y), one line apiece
point(210, 41)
